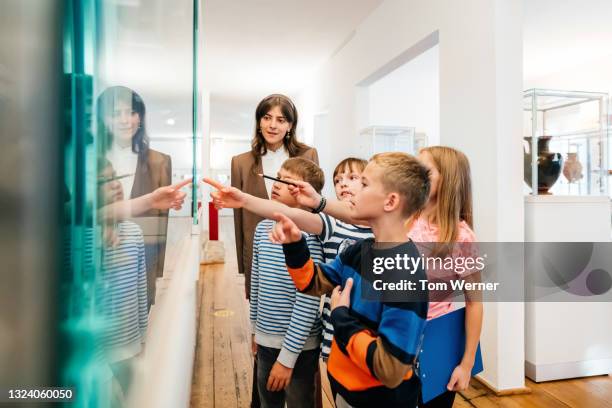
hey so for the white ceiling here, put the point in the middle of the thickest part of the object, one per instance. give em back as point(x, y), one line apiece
point(561, 34)
point(256, 47)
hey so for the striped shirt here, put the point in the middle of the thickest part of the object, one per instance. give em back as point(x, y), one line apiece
point(336, 236)
point(281, 317)
point(123, 293)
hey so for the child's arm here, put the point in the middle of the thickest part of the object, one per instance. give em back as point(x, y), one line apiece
point(387, 355)
point(304, 315)
point(461, 375)
point(231, 197)
point(143, 315)
point(162, 198)
point(255, 279)
point(308, 197)
point(308, 277)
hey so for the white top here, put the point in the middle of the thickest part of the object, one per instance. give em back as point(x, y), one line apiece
point(271, 163)
point(124, 161)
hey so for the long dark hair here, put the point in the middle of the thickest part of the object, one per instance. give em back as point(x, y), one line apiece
point(290, 142)
point(106, 106)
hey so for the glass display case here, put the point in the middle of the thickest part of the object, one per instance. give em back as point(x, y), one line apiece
point(380, 139)
point(568, 132)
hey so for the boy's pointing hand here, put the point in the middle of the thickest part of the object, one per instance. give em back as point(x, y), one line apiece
point(225, 197)
point(284, 231)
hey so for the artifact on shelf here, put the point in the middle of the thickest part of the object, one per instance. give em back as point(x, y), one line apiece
point(572, 169)
point(549, 165)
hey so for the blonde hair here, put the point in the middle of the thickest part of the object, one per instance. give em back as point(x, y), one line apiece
point(406, 175)
point(307, 170)
point(454, 192)
point(350, 163)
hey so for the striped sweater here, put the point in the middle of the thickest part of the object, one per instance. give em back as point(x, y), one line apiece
point(123, 293)
point(281, 317)
point(336, 236)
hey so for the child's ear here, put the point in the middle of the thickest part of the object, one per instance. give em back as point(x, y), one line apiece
point(392, 202)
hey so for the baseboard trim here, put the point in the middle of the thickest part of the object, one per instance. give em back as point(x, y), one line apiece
point(503, 393)
point(573, 369)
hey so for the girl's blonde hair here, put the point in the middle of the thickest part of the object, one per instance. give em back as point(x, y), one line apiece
point(454, 192)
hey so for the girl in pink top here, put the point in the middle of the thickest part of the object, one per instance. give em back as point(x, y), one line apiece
point(445, 222)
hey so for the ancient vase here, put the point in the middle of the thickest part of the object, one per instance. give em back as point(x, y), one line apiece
point(549, 165)
point(572, 169)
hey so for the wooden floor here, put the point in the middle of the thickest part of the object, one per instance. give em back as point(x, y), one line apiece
point(223, 365)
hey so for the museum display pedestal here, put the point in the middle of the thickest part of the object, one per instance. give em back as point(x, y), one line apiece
point(567, 339)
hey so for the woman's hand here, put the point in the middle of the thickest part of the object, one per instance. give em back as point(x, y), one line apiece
point(304, 193)
point(253, 345)
point(460, 379)
point(225, 197)
point(279, 378)
point(284, 231)
point(342, 297)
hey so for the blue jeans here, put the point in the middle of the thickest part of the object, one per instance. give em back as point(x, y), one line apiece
point(300, 391)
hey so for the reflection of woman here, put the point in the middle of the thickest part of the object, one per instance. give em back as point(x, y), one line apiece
point(122, 115)
point(274, 141)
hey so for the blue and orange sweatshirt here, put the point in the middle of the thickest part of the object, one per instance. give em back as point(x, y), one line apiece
point(376, 342)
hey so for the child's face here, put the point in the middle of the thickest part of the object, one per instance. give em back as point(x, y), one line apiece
point(368, 202)
point(347, 183)
point(434, 174)
point(109, 191)
point(280, 191)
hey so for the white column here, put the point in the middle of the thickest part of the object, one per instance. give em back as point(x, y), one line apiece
point(481, 115)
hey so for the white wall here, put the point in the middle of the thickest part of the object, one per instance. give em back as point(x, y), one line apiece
point(480, 54)
point(409, 96)
point(594, 76)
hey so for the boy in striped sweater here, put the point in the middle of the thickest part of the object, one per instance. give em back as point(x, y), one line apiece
point(285, 323)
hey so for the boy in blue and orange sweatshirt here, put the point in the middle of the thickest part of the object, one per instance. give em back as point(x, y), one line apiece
point(376, 340)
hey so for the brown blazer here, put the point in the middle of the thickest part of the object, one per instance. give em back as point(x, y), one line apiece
point(245, 178)
point(153, 171)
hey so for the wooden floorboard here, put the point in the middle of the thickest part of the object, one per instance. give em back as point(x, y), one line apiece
point(223, 364)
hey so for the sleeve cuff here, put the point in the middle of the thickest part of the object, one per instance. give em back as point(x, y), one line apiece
point(296, 253)
point(287, 358)
point(253, 327)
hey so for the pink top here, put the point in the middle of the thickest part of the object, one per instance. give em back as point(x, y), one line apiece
point(424, 232)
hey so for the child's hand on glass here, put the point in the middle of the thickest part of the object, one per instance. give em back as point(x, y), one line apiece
point(342, 297)
point(284, 231)
point(225, 197)
point(304, 193)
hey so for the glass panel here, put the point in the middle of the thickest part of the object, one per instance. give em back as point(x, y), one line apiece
point(130, 140)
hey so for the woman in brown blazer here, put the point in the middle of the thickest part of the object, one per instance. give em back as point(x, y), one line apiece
point(276, 120)
point(122, 114)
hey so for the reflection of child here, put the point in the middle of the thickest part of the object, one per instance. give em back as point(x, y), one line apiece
point(375, 343)
point(285, 322)
point(123, 295)
point(446, 224)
